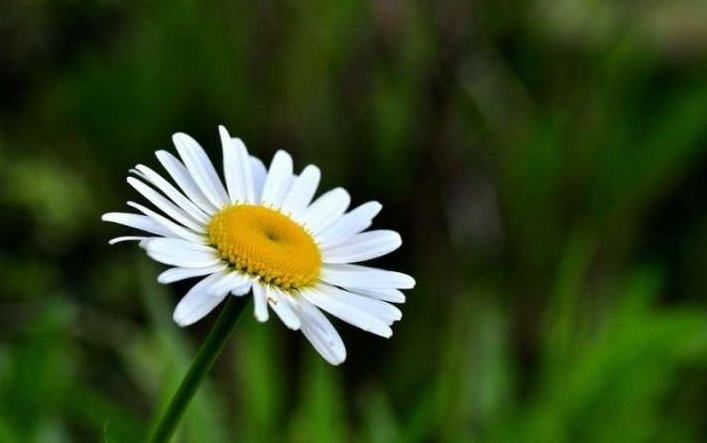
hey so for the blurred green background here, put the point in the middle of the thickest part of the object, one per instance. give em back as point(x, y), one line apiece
point(545, 162)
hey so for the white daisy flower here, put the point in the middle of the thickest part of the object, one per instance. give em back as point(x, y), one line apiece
point(262, 232)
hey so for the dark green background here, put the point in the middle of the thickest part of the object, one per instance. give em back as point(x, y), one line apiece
point(544, 161)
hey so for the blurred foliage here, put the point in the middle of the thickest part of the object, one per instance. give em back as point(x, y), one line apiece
point(544, 161)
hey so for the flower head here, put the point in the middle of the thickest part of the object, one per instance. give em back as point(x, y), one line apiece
point(262, 233)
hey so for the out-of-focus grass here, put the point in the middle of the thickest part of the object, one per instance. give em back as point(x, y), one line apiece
point(545, 164)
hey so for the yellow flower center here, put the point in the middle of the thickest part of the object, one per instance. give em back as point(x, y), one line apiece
point(265, 243)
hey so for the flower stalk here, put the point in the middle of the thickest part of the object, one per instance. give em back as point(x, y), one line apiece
point(213, 345)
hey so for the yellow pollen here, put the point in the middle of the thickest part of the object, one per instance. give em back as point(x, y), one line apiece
point(265, 243)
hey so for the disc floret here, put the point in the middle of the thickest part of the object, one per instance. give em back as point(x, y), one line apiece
point(266, 243)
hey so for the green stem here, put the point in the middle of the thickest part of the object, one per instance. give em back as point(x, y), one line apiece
point(219, 335)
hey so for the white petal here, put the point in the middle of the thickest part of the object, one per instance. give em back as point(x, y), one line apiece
point(347, 312)
point(325, 210)
point(172, 227)
point(172, 275)
point(137, 221)
point(198, 302)
point(385, 294)
point(166, 206)
point(201, 169)
point(170, 191)
point(320, 332)
point(183, 261)
point(280, 303)
point(261, 305)
point(349, 224)
point(231, 168)
point(177, 252)
point(246, 171)
point(166, 245)
point(364, 277)
point(259, 173)
point(126, 238)
point(278, 180)
point(377, 308)
point(184, 180)
point(301, 192)
point(243, 289)
point(364, 246)
point(234, 280)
